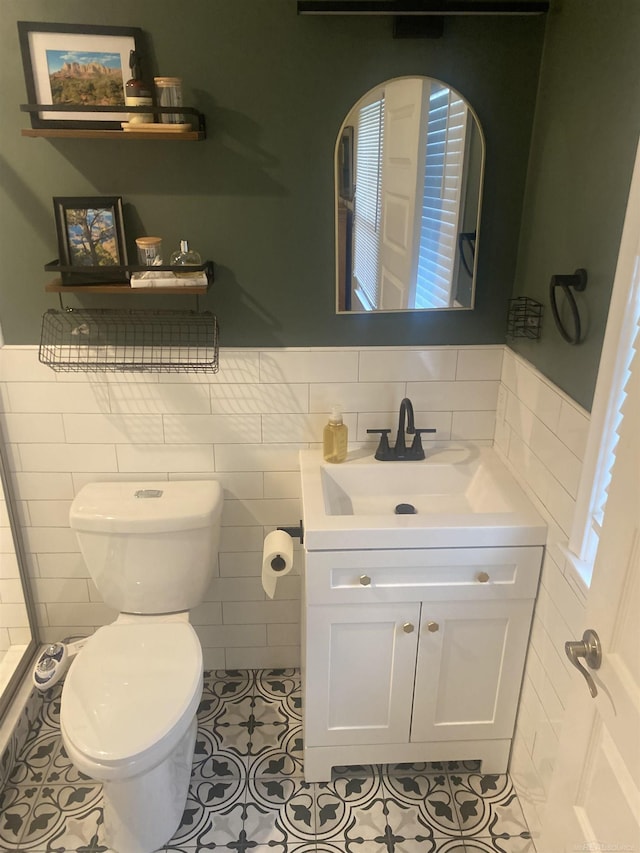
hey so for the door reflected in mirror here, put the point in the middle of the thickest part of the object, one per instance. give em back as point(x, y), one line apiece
point(409, 169)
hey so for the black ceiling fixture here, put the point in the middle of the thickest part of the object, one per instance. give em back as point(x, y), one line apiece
point(422, 7)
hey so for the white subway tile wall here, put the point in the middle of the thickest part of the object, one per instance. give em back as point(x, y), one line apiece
point(243, 426)
point(541, 434)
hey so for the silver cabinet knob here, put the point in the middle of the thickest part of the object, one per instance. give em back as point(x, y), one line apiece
point(365, 580)
point(482, 577)
point(432, 627)
point(408, 628)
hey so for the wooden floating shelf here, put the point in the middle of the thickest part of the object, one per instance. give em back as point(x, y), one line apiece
point(56, 286)
point(69, 133)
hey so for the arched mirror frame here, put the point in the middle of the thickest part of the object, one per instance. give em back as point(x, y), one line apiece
point(344, 179)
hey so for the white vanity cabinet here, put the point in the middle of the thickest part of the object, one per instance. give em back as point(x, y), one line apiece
point(414, 655)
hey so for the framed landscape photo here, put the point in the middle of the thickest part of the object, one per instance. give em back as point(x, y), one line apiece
point(91, 238)
point(78, 65)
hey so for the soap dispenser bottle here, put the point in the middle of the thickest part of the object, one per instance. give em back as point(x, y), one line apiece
point(335, 437)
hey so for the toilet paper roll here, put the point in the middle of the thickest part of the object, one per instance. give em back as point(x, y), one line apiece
point(277, 559)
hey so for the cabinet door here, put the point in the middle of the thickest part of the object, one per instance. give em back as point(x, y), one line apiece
point(360, 664)
point(470, 662)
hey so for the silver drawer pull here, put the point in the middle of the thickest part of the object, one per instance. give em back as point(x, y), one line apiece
point(482, 577)
point(365, 580)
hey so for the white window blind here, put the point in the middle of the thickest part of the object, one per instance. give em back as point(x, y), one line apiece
point(627, 355)
point(442, 202)
point(366, 227)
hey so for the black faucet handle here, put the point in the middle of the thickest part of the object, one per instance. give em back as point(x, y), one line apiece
point(383, 453)
point(417, 450)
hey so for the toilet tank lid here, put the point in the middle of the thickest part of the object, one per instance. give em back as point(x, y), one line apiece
point(151, 507)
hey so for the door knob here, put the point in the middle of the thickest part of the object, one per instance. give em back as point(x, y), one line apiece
point(432, 627)
point(482, 577)
point(590, 649)
point(408, 628)
point(365, 580)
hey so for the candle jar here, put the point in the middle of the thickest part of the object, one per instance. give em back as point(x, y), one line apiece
point(149, 251)
point(169, 94)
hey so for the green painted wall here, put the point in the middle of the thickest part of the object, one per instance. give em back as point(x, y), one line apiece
point(256, 196)
point(583, 150)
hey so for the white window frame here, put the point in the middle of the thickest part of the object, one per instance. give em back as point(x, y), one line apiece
point(621, 329)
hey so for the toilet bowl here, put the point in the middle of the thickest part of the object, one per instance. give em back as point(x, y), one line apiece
point(128, 719)
point(129, 702)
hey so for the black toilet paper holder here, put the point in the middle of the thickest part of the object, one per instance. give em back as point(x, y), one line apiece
point(295, 532)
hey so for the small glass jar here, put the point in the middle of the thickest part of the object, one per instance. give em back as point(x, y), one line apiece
point(169, 94)
point(149, 251)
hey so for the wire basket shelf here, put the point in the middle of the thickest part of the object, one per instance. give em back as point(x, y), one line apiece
point(107, 340)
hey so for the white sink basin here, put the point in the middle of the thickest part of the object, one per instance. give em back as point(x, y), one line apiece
point(462, 496)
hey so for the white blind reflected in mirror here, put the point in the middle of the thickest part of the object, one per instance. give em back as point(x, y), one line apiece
point(442, 202)
point(366, 228)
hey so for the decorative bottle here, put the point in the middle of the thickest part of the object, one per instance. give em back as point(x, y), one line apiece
point(185, 257)
point(335, 438)
point(137, 93)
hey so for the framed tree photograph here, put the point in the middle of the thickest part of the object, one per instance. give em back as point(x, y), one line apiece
point(91, 237)
point(79, 66)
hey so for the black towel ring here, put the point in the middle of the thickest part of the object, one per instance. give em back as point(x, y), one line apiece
point(577, 281)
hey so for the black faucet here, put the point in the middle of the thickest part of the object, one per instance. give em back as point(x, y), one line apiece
point(401, 452)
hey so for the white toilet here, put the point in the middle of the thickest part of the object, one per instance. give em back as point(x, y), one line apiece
point(128, 714)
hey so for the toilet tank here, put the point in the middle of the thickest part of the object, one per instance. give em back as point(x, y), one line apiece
point(149, 547)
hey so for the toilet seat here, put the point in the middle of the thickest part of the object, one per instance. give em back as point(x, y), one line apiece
point(130, 696)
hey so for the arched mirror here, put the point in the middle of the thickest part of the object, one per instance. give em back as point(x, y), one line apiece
point(409, 168)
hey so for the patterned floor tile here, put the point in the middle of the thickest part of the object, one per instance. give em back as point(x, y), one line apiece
point(34, 760)
point(212, 761)
point(487, 805)
point(351, 807)
point(213, 815)
point(65, 818)
point(281, 692)
point(250, 741)
point(50, 714)
point(61, 770)
point(230, 682)
point(16, 805)
point(280, 812)
point(248, 792)
point(285, 758)
point(419, 802)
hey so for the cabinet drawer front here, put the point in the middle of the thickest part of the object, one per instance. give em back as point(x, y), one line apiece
point(435, 574)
